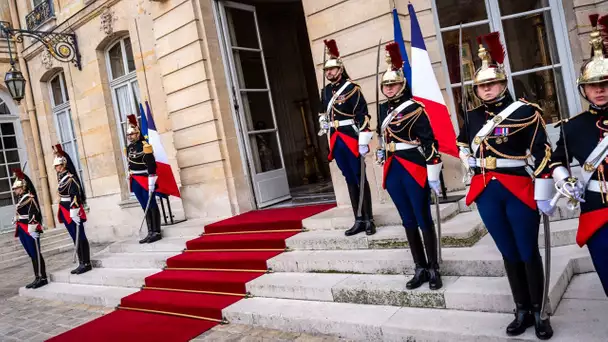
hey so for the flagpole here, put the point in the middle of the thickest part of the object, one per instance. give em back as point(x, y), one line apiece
point(394, 4)
point(143, 63)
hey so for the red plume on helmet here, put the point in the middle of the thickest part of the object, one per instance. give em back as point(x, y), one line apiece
point(132, 120)
point(603, 27)
point(593, 18)
point(332, 48)
point(59, 150)
point(395, 54)
point(18, 173)
point(495, 47)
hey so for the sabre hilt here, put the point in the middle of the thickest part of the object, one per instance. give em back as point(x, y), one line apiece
point(564, 189)
point(322, 131)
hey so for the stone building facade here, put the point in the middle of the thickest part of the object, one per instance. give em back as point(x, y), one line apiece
point(232, 85)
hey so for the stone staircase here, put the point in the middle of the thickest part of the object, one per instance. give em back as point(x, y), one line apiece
point(353, 287)
point(53, 241)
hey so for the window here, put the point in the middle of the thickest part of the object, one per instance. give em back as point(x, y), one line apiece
point(532, 29)
point(123, 84)
point(60, 103)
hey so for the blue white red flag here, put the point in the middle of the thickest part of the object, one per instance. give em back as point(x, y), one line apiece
point(425, 89)
point(166, 181)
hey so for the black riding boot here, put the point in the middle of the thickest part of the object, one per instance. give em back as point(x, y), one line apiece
point(156, 233)
point(79, 255)
point(536, 279)
point(37, 276)
point(85, 257)
point(359, 226)
point(368, 215)
point(516, 273)
point(430, 243)
point(421, 274)
point(42, 279)
point(149, 220)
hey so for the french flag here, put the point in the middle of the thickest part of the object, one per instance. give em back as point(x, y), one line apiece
point(166, 181)
point(426, 89)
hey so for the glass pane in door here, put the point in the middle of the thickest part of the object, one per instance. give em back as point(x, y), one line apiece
point(541, 87)
point(451, 12)
point(258, 111)
point(469, 54)
point(517, 6)
point(266, 153)
point(243, 31)
point(250, 69)
point(530, 41)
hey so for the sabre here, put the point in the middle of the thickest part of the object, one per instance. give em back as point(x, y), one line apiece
point(463, 99)
point(547, 230)
point(77, 241)
point(145, 212)
point(381, 133)
point(321, 130)
point(38, 255)
point(438, 219)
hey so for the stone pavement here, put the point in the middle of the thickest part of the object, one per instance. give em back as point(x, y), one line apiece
point(15, 277)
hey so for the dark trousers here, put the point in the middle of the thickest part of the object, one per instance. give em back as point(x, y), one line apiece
point(412, 201)
point(351, 170)
point(83, 249)
point(29, 244)
point(153, 214)
point(598, 248)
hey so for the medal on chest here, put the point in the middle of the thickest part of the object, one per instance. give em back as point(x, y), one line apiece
point(502, 134)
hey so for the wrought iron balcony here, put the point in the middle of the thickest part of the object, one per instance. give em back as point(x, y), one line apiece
point(41, 13)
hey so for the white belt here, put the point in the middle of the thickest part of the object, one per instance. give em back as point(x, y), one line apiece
point(392, 147)
point(138, 172)
point(492, 163)
point(340, 123)
point(23, 217)
point(595, 186)
point(65, 199)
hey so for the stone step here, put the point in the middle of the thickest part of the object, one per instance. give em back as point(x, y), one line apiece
point(384, 215)
point(488, 294)
point(106, 277)
point(15, 244)
point(81, 294)
point(462, 230)
point(563, 233)
point(9, 240)
point(24, 258)
point(182, 231)
point(154, 260)
point(372, 322)
point(175, 245)
point(45, 245)
point(475, 261)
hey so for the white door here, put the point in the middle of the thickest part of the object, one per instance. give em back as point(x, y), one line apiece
point(252, 102)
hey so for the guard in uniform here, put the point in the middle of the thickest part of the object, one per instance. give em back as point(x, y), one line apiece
point(28, 226)
point(71, 207)
point(345, 118)
point(408, 150)
point(495, 143)
point(585, 138)
point(142, 178)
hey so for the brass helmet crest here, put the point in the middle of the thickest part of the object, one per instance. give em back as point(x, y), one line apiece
point(333, 59)
point(394, 72)
point(132, 126)
point(595, 70)
point(20, 181)
point(60, 158)
point(492, 57)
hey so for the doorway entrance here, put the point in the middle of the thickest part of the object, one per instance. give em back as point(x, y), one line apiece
point(275, 100)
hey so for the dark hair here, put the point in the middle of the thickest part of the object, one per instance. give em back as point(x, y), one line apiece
point(69, 165)
point(32, 190)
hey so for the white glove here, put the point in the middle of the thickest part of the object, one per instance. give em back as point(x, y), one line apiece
point(14, 220)
point(152, 184)
point(31, 228)
point(324, 125)
point(545, 207)
point(435, 186)
point(472, 162)
point(363, 150)
point(35, 235)
point(74, 215)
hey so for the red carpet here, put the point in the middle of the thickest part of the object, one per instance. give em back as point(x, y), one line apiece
point(187, 298)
